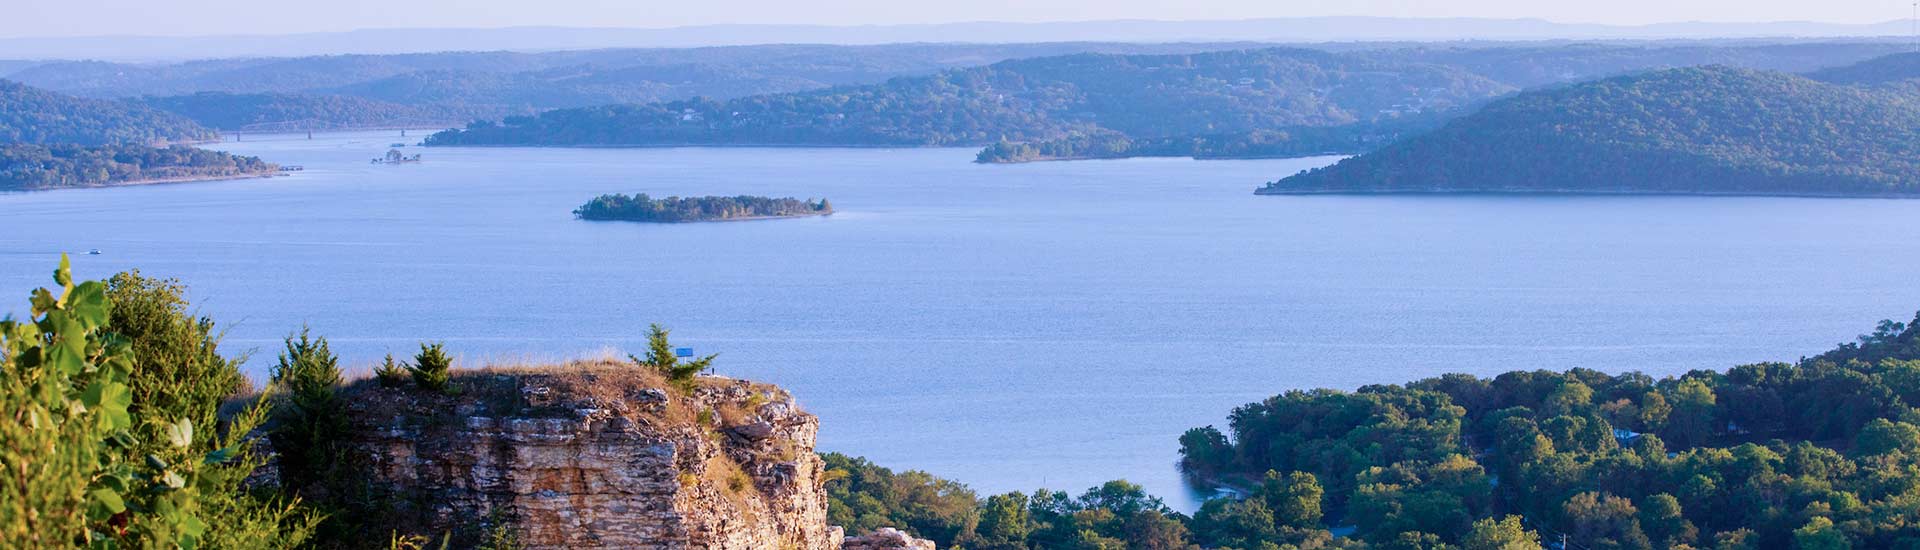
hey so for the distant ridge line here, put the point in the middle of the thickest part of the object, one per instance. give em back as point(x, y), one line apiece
point(537, 38)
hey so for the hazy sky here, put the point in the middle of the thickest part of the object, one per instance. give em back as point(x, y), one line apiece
point(200, 17)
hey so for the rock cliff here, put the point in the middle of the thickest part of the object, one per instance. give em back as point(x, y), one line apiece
point(596, 455)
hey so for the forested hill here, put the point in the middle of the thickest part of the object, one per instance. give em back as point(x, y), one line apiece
point(33, 115)
point(1028, 99)
point(1880, 70)
point(286, 112)
point(1712, 130)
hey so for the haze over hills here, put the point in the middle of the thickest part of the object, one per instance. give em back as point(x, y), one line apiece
point(1708, 130)
point(451, 88)
point(1305, 29)
point(1892, 69)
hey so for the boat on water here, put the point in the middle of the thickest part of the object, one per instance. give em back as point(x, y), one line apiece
point(93, 252)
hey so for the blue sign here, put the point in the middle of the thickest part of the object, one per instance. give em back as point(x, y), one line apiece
point(683, 352)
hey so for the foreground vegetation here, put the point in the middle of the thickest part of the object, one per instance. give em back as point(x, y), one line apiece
point(30, 166)
point(127, 427)
point(1823, 453)
point(112, 436)
point(642, 208)
point(1713, 130)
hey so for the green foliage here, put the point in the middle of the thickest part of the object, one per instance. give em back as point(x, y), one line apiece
point(432, 368)
point(1295, 499)
point(1504, 534)
point(642, 208)
point(82, 470)
point(309, 426)
point(867, 497)
point(178, 371)
point(33, 115)
point(1756, 452)
point(33, 166)
point(661, 358)
point(391, 374)
point(1696, 130)
point(1819, 534)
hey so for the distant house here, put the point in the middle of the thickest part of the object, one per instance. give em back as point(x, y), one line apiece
point(1625, 436)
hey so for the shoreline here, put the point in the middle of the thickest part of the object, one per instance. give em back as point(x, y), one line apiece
point(149, 181)
point(740, 219)
point(708, 146)
point(1262, 191)
point(1194, 157)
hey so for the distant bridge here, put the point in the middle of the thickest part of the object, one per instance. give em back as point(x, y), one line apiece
point(317, 125)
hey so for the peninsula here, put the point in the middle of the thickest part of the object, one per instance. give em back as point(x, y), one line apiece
point(1706, 131)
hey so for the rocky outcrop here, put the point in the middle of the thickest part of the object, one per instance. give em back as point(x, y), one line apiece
point(599, 455)
point(887, 539)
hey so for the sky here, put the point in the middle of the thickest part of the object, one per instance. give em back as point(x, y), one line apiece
point(33, 18)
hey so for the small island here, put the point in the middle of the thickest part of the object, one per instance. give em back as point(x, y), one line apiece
point(642, 208)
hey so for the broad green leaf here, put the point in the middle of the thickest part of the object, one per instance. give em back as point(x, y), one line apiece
point(109, 500)
point(180, 434)
point(88, 302)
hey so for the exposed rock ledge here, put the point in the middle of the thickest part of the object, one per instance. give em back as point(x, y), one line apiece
point(887, 539)
point(600, 455)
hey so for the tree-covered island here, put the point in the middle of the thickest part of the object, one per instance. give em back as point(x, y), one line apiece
point(642, 208)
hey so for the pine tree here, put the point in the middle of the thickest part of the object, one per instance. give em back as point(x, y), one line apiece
point(661, 358)
point(432, 368)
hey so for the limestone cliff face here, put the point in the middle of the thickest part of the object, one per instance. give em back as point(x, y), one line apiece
point(597, 456)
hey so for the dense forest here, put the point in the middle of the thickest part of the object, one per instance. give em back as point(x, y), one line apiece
point(1698, 130)
point(1028, 99)
point(1296, 141)
point(1896, 68)
point(1817, 454)
point(33, 115)
point(33, 166)
point(288, 112)
point(642, 208)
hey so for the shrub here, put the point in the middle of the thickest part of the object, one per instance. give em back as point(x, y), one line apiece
point(390, 373)
point(661, 358)
point(72, 426)
point(309, 426)
point(177, 370)
point(432, 368)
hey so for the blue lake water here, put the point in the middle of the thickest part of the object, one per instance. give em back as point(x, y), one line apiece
point(1055, 324)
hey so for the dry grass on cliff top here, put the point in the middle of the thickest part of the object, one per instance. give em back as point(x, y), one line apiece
point(557, 390)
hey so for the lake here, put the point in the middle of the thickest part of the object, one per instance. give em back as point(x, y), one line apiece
point(1010, 327)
